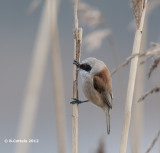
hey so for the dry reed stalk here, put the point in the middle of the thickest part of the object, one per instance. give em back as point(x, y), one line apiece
point(77, 53)
point(136, 134)
point(153, 142)
point(58, 80)
point(138, 110)
point(132, 78)
point(143, 97)
point(75, 94)
point(30, 102)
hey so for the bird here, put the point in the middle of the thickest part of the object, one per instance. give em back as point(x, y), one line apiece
point(96, 85)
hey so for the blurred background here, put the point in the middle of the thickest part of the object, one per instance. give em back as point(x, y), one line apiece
point(18, 37)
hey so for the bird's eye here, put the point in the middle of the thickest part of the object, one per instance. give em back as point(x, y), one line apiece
point(85, 67)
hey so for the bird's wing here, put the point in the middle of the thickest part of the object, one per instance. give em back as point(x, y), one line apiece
point(104, 89)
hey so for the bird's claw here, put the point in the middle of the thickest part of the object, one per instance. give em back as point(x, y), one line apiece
point(77, 101)
point(76, 63)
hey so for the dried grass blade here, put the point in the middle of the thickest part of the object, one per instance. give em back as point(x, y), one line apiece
point(153, 142)
point(143, 97)
point(154, 65)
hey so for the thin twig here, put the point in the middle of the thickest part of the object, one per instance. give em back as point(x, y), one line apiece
point(143, 97)
point(153, 142)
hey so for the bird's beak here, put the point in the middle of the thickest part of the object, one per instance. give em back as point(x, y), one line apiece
point(77, 63)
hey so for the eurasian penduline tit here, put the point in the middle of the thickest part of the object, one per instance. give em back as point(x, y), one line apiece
point(96, 85)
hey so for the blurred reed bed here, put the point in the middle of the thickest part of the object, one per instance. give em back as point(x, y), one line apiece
point(48, 26)
point(57, 79)
point(35, 78)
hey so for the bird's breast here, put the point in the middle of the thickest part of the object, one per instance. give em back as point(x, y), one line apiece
point(90, 92)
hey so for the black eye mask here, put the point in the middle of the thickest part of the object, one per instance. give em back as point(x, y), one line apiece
point(85, 67)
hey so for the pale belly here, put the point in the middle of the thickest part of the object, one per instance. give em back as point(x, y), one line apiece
point(91, 94)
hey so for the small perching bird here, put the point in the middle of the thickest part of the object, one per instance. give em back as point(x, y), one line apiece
point(96, 85)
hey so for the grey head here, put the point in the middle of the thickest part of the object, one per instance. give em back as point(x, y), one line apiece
point(91, 66)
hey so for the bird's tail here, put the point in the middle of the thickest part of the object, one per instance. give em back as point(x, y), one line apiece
point(106, 110)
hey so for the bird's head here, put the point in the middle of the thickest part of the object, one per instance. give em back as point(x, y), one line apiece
point(90, 66)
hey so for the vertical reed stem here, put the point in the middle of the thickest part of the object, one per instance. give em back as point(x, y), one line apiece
point(77, 53)
point(138, 112)
point(131, 84)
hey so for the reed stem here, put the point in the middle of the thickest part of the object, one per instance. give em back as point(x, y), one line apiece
point(77, 53)
point(131, 83)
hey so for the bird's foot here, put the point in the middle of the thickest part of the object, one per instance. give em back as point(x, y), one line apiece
point(77, 101)
point(76, 63)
